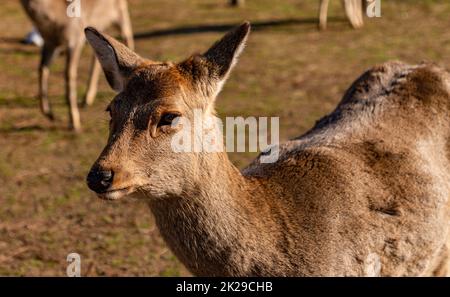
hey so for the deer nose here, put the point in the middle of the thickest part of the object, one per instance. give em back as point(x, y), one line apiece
point(99, 180)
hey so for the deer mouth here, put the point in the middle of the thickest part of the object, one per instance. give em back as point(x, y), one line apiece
point(115, 194)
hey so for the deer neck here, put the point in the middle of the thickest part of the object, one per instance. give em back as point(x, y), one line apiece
point(214, 220)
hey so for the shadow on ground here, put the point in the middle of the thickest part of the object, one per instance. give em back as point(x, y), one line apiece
point(256, 26)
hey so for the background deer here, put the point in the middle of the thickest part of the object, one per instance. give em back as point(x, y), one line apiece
point(353, 11)
point(61, 32)
point(364, 192)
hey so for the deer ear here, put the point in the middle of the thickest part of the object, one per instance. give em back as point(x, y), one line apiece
point(222, 56)
point(118, 61)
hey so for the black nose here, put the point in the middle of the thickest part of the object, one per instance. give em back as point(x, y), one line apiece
point(99, 180)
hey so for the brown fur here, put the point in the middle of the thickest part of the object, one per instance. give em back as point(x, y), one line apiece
point(364, 192)
point(61, 32)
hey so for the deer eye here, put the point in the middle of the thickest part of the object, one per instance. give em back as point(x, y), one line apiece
point(167, 119)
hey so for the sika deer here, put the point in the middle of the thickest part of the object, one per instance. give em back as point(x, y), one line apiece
point(364, 192)
point(61, 32)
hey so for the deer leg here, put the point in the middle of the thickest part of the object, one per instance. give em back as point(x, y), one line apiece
point(93, 82)
point(47, 54)
point(72, 59)
point(126, 30)
point(353, 10)
point(359, 12)
point(323, 12)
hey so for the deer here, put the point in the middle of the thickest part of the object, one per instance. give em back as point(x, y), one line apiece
point(362, 193)
point(64, 32)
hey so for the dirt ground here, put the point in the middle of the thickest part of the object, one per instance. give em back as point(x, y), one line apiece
point(288, 69)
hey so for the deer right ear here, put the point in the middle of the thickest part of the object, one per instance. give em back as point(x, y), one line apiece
point(223, 55)
point(117, 60)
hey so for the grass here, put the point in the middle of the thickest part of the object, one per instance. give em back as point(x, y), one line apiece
point(289, 69)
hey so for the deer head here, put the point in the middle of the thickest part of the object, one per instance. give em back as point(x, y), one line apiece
point(151, 97)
